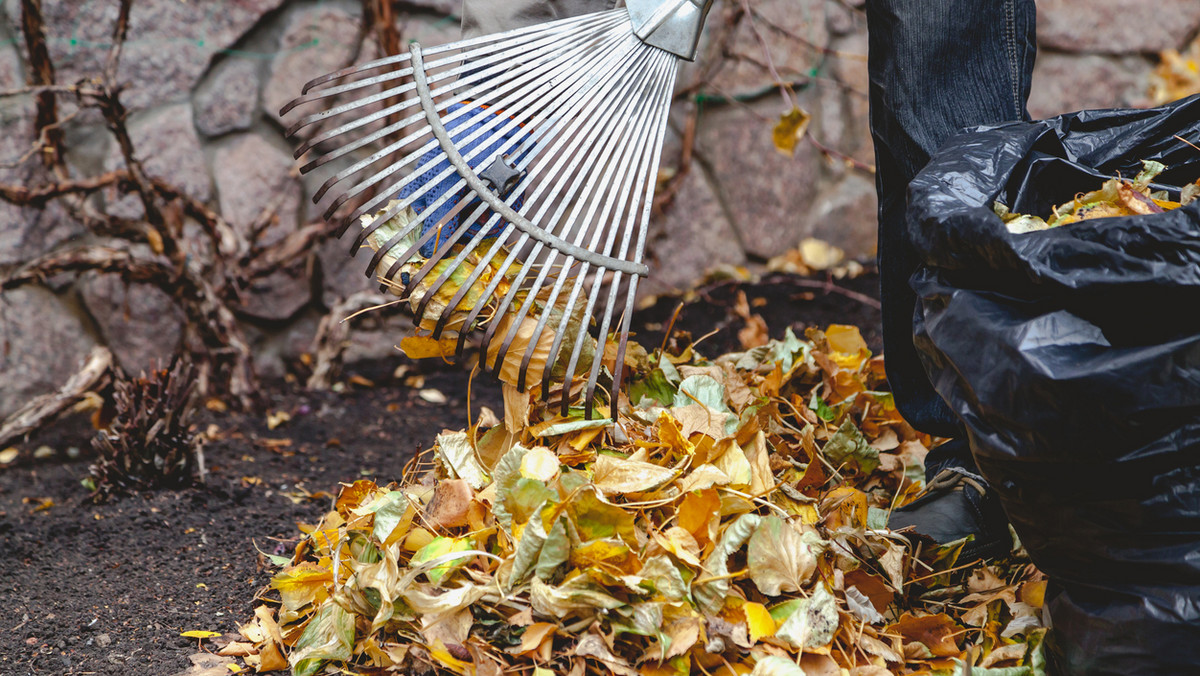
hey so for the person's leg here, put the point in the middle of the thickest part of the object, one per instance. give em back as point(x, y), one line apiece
point(936, 67)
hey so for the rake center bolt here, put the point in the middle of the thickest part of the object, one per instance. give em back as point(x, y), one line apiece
point(501, 176)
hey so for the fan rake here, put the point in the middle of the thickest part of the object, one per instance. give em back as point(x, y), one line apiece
point(505, 183)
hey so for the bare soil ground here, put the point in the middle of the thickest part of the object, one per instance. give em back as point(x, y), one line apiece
point(107, 589)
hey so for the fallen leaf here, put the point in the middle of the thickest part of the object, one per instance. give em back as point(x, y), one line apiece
point(792, 127)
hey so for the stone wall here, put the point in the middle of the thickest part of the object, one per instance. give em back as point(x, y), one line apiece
point(206, 80)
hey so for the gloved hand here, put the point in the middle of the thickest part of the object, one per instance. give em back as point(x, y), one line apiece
point(460, 129)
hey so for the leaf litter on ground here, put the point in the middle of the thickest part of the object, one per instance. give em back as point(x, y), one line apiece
point(731, 520)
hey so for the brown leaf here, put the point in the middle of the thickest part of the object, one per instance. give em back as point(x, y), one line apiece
point(935, 632)
point(450, 505)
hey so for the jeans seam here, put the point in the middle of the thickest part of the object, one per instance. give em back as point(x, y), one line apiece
point(1010, 36)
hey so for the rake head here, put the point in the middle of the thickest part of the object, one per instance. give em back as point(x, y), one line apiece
point(505, 183)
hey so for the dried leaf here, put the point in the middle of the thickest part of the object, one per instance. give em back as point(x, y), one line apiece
point(792, 127)
point(778, 557)
point(616, 476)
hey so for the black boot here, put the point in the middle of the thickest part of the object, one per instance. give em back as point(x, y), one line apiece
point(957, 502)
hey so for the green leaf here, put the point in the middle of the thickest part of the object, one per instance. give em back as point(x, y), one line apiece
point(505, 476)
point(389, 509)
point(809, 622)
point(555, 550)
point(818, 406)
point(526, 498)
point(848, 447)
point(654, 387)
point(710, 595)
point(441, 546)
point(595, 519)
point(329, 636)
point(703, 389)
point(528, 549)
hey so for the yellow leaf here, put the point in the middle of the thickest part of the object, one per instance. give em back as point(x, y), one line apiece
point(759, 621)
point(438, 652)
point(615, 476)
point(539, 463)
point(790, 130)
point(670, 432)
point(850, 350)
point(200, 634)
point(301, 585)
point(271, 658)
point(424, 347)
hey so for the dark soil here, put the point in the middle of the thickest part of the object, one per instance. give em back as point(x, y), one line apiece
point(107, 589)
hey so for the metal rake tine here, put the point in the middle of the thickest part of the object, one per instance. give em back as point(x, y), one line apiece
point(516, 117)
point(591, 302)
point(576, 99)
point(593, 298)
point(523, 372)
point(342, 89)
point(384, 153)
point(479, 72)
point(521, 77)
point(337, 75)
point(444, 245)
point(622, 344)
point(357, 122)
point(646, 174)
point(593, 135)
point(603, 165)
point(435, 231)
point(490, 43)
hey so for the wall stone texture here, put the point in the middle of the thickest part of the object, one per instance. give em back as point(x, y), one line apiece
point(205, 82)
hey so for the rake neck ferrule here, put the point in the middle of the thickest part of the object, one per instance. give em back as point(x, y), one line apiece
point(670, 25)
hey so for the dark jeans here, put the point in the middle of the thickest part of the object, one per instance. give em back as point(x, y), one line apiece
point(936, 66)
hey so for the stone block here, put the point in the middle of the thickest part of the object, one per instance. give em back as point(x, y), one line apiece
point(793, 31)
point(42, 344)
point(12, 73)
point(169, 43)
point(342, 275)
point(251, 175)
point(139, 323)
point(1116, 26)
point(166, 144)
point(766, 194)
point(227, 99)
point(1068, 82)
point(691, 238)
point(315, 41)
point(846, 215)
point(27, 232)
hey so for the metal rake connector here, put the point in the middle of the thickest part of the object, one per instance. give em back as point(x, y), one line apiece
point(505, 183)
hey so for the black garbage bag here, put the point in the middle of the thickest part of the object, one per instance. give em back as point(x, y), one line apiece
point(1072, 356)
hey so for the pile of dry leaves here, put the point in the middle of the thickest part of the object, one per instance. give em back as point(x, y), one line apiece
point(1177, 75)
point(1117, 197)
point(731, 521)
